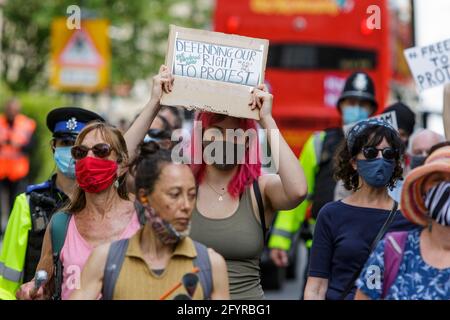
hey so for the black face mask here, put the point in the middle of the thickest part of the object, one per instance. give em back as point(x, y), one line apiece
point(417, 161)
point(217, 154)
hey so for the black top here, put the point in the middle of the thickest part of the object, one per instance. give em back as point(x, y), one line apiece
point(44, 199)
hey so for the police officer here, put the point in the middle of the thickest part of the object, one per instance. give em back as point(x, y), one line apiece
point(356, 102)
point(33, 209)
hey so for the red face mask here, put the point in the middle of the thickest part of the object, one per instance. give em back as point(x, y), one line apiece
point(95, 175)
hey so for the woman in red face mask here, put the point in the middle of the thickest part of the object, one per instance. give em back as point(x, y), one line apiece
point(101, 210)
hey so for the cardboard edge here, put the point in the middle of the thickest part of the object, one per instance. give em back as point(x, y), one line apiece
point(446, 111)
point(193, 84)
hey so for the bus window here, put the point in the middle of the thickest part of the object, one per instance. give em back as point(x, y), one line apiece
point(315, 57)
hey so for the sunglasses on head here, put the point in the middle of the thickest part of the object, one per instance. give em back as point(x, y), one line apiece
point(387, 153)
point(101, 150)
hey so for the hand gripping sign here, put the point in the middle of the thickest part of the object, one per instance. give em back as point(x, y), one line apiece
point(214, 71)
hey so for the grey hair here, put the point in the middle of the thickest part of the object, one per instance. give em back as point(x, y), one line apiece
point(420, 131)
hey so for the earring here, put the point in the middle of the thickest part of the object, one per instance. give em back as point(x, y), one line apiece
point(116, 184)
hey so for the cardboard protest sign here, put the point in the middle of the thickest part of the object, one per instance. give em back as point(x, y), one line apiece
point(214, 71)
point(430, 65)
point(446, 112)
point(389, 117)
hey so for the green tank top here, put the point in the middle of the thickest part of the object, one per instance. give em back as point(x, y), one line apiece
point(240, 241)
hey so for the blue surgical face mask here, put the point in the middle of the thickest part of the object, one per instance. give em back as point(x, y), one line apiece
point(351, 114)
point(376, 172)
point(65, 162)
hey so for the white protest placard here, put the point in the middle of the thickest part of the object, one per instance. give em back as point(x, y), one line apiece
point(430, 65)
point(213, 71)
point(389, 117)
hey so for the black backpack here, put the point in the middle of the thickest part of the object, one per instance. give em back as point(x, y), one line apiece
point(324, 181)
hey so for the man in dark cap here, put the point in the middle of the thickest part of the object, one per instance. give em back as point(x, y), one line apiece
point(356, 102)
point(406, 120)
point(33, 209)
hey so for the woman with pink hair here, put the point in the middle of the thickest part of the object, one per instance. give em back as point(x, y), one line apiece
point(235, 202)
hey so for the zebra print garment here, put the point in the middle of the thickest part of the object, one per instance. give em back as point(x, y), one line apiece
point(437, 201)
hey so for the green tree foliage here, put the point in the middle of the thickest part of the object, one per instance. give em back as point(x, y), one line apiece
point(139, 30)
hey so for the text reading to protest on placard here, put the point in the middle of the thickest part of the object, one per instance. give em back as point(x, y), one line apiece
point(210, 61)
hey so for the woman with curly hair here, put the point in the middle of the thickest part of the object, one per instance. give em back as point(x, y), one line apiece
point(368, 164)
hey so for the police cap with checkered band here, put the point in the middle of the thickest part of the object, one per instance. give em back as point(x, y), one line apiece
point(359, 85)
point(67, 122)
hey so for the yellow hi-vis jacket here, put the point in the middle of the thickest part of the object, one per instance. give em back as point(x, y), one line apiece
point(12, 257)
point(287, 223)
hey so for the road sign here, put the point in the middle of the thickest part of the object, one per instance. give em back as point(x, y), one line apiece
point(80, 58)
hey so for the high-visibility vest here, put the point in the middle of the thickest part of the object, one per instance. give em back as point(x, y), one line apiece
point(14, 165)
point(12, 257)
point(287, 223)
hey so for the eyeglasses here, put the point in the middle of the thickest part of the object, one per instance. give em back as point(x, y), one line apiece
point(101, 150)
point(387, 153)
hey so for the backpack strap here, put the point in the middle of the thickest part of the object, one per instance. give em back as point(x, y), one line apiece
point(259, 200)
point(140, 212)
point(58, 231)
point(204, 264)
point(114, 261)
point(394, 248)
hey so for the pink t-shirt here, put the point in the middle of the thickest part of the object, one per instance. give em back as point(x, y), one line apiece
point(76, 252)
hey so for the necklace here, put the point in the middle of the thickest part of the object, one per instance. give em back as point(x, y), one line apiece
point(220, 194)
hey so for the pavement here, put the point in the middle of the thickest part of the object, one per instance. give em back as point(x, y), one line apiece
point(291, 288)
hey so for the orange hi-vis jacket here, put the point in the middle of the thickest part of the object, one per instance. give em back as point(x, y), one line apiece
point(14, 165)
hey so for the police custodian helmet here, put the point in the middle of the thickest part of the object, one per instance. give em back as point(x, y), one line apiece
point(359, 85)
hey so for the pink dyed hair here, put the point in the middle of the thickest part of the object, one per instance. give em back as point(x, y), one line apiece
point(247, 172)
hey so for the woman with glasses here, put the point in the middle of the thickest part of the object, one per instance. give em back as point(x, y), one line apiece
point(368, 164)
point(161, 261)
point(34, 208)
point(100, 210)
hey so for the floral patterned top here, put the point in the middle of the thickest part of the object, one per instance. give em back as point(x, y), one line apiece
point(416, 280)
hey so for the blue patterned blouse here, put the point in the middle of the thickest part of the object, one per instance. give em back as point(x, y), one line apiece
point(416, 280)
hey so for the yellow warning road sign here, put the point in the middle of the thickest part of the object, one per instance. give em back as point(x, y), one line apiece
point(80, 58)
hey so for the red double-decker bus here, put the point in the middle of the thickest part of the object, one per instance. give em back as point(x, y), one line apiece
point(315, 45)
